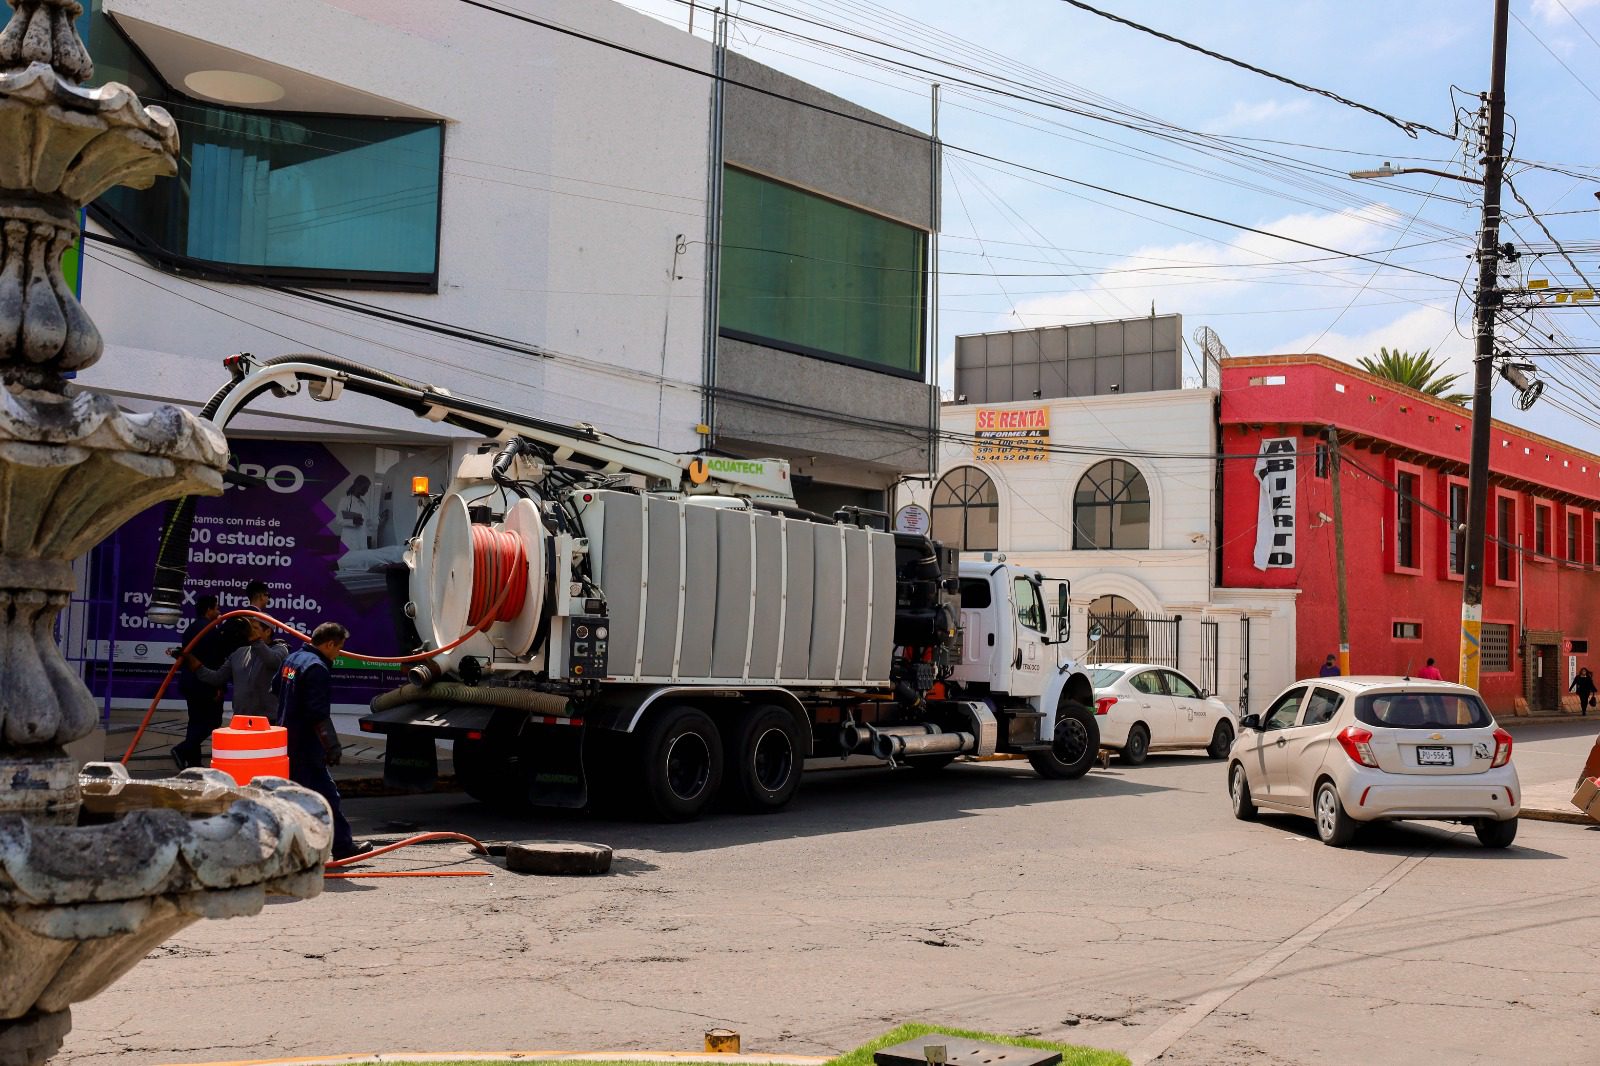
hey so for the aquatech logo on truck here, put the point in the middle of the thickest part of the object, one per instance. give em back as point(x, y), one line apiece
point(701, 469)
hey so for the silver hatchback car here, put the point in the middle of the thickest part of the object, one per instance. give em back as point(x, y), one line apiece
point(1349, 750)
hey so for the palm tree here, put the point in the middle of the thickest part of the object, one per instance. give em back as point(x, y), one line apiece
point(1420, 371)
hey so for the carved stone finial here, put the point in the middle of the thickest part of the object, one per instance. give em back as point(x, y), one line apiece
point(61, 145)
point(46, 31)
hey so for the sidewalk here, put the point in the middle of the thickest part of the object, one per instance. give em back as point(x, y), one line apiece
point(359, 773)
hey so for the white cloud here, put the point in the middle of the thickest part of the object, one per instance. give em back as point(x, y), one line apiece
point(1430, 328)
point(1182, 277)
point(1245, 114)
point(1556, 11)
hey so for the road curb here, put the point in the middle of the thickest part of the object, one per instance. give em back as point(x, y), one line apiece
point(1540, 814)
point(527, 1056)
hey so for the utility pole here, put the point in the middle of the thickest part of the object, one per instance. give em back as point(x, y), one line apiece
point(1488, 304)
point(1335, 461)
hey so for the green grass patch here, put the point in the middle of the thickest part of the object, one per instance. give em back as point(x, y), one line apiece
point(1071, 1054)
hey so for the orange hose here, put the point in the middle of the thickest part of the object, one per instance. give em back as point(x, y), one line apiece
point(409, 873)
point(420, 838)
point(488, 619)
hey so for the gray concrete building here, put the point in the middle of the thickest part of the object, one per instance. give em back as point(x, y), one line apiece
point(821, 351)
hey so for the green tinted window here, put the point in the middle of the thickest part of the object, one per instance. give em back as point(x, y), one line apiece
point(324, 197)
point(811, 275)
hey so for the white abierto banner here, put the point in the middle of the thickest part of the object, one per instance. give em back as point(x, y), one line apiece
point(1275, 522)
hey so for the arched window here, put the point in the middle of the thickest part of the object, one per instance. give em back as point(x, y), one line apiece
point(1111, 508)
point(1124, 635)
point(966, 511)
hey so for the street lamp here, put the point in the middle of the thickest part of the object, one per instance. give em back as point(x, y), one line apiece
point(1389, 170)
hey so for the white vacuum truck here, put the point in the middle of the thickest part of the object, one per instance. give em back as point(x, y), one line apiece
point(659, 629)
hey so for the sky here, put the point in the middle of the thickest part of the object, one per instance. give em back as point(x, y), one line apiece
point(1019, 249)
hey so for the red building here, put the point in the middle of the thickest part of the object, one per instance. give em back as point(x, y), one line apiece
point(1404, 495)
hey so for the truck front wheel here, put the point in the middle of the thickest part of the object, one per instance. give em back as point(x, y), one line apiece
point(1076, 741)
point(764, 758)
point(682, 755)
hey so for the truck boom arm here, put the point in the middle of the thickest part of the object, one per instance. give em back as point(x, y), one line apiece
point(581, 445)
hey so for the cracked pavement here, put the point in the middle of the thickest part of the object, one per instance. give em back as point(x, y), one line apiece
point(1092, 912)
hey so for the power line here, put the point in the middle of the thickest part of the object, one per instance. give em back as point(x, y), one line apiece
point(1410, 128)
point(905, 132)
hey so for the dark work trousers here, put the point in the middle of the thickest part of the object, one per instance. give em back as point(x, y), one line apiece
point(311, 771)
point(205, 717)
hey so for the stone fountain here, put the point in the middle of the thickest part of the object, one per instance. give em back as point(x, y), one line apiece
point(95, 869)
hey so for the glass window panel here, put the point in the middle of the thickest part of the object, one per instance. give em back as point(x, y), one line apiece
point(1111, 507)
point(302, 194)
point(812, 275)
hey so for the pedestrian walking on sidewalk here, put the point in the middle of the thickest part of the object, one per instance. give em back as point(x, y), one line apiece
point(204, 700)
point(305, 707)
point(1330, 667)
point(251, 671)
point(1584, 686)
point(1430, 672)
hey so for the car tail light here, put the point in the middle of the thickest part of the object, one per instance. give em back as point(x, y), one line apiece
point(1104, 703)
point(1357, 744)
point(1502, 747)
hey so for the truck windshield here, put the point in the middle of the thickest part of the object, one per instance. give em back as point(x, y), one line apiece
point(1030, 607)
point(1422, 710)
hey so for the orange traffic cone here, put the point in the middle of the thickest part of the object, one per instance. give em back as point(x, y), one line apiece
point(250, 747)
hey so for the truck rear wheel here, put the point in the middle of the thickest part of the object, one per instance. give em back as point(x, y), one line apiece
point(1076, 741)
point(491, 774)
point(682, 756)
point(764, 756)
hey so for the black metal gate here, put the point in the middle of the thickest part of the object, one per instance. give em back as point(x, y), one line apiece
point(1134, 637)
point(1244, 666)
point(1210, 674)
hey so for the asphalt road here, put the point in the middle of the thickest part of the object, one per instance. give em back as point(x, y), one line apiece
point(1127, 910)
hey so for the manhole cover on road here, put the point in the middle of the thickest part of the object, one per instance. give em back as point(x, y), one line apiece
point(558, 857)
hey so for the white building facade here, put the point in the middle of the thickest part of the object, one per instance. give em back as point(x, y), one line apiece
point(1114, 493)
point(520, 208)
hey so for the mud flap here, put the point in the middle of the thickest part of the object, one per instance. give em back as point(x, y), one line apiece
point(411, 761)
point(552, 758)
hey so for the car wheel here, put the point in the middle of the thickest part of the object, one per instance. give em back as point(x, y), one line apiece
point(1137, 748)
point(1334, 824)
point(682, 763)
point(1244, 808)
point(1221, 741)
point(1077, 740)
point(764, 758)
point(1493, 834)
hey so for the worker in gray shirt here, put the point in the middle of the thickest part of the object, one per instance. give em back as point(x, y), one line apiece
point(250, 670)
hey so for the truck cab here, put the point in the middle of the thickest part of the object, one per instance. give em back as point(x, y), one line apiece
point(1009, 643)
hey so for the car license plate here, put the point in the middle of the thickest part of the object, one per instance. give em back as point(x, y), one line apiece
point(1436, 756)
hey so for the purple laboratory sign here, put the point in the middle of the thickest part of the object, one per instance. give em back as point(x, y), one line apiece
point(324, 525)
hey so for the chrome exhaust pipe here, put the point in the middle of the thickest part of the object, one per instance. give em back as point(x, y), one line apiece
point(898, 746)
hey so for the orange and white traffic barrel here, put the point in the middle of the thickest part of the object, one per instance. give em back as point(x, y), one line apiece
point(250, 747)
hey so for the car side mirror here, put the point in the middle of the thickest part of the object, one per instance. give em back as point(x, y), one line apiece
point(1205, 694)
point(1251, 721)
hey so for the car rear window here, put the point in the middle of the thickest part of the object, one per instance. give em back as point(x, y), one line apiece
point(1422, 710)
point(1103, 678)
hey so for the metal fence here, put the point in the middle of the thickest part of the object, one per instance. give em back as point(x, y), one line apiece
point(1134, 637)
point(1210, 673)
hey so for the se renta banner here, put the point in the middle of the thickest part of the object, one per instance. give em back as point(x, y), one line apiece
point(324, 525)
point(1275, 529)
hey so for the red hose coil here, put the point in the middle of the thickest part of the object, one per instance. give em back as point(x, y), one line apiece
point(498, 566)
point(499, 591)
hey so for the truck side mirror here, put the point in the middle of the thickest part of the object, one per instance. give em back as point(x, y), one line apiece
point(1063, 612)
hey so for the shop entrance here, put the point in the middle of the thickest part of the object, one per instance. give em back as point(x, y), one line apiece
point(1545, 684)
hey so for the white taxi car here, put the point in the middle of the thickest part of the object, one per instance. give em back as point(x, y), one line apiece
point(1348, 750)
point(1142, 707)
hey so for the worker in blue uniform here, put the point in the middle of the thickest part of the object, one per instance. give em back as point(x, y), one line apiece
point(305, 685)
